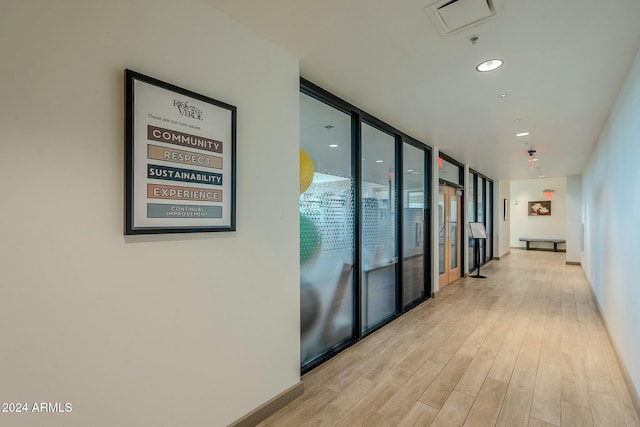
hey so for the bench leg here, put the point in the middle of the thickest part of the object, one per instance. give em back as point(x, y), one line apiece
point(528, 243)
point(555, 247)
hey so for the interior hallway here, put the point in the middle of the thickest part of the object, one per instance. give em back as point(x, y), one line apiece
point(524, 347)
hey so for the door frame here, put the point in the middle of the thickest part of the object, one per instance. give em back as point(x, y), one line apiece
point(450, 275)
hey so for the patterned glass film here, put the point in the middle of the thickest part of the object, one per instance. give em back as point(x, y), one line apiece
point(326, 228)
point(471, 212)
point(378, 227)
point(413, 241)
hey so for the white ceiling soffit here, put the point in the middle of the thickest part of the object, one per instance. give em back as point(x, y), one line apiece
point(453, 16)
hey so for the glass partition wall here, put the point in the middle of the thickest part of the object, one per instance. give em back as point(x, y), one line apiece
point(414, 224)
point(326, 229)
point(472, 217)
point(378, 224)
point(480, 209)
point(363, 226)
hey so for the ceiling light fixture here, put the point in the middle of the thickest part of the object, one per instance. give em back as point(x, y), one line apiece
point(379, 161)
point(333, 145)
point(523, 134)
point(489, 65)
point(502, 96)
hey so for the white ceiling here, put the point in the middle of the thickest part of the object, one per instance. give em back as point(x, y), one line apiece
point(565, 61)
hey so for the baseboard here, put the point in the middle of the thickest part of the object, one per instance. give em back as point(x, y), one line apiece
point(498, 258)
point(575, 263)
point(633, 393)
point(435, 293)
point(270, 407)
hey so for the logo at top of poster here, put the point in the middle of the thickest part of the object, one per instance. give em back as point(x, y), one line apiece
point(188, 110)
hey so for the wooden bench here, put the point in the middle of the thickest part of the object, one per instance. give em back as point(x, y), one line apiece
point(555, 242)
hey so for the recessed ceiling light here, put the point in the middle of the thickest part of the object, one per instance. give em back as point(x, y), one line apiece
point(502, 96)
point(523, 134)
point(409, 170)
point(333, 145)
point(379, 161)
point(516, 120)
point(489, 65)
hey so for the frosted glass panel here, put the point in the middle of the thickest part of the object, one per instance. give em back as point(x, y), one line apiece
point(326, 230)
point(378, 222)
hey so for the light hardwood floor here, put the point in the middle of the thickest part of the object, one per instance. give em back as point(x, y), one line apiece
point(525, 347)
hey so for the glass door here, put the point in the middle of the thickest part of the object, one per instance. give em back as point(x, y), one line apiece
point(378, 222)
point(414, 249)
point(449, 213)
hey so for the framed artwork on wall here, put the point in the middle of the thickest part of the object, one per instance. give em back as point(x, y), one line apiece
point(540, 208)
point(505, 209)
point(180, 166)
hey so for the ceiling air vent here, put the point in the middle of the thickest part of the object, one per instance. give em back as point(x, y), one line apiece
point(454, 16)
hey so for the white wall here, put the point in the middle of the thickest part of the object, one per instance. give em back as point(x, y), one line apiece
point(501, 239)
point(611, 203)
point(574, 219)
point(523, 225)
point(191, 330)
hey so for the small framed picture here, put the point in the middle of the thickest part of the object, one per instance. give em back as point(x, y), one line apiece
point(505, 209)
point(540, 208)
point(180, 165)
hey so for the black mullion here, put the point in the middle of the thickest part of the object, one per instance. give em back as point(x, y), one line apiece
point(428, 177)
point(399, 192)
point(356, 171)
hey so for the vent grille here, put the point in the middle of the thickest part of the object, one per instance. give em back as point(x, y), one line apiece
point(454, 16)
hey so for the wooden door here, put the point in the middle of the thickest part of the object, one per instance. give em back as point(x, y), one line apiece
point(449, 235)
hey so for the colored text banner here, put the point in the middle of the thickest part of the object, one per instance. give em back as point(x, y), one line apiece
point(159, 210)
point(183, 175)
point(184, 139)
point(155, 191)
point(185, 157)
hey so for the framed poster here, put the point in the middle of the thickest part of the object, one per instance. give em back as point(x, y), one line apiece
point(180, 166)
point(540, 208)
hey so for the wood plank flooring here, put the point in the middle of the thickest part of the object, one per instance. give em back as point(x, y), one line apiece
point(525, 347)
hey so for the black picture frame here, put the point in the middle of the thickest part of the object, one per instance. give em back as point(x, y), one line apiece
point(505, 209)
point(180, 159)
